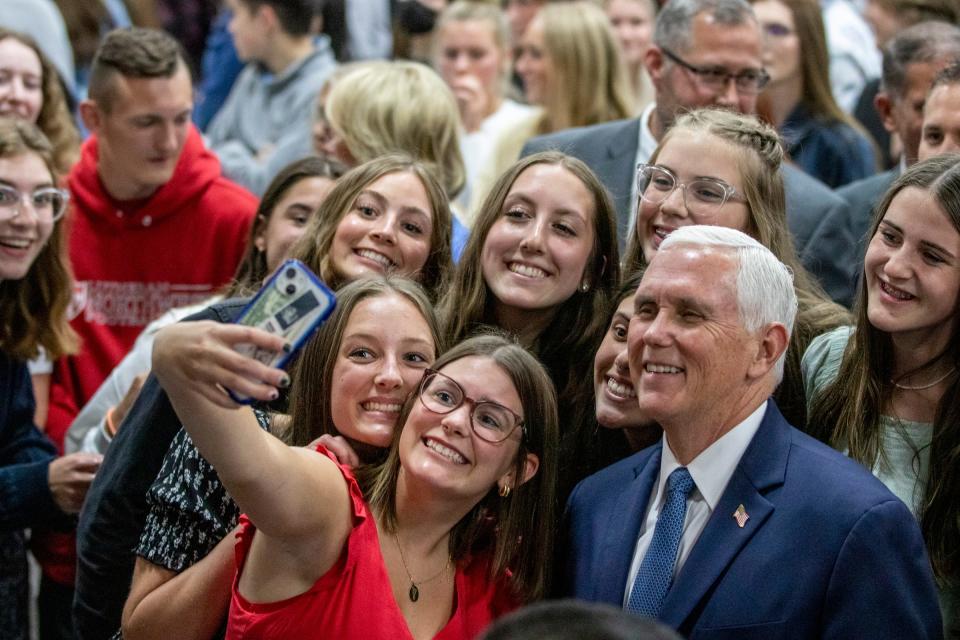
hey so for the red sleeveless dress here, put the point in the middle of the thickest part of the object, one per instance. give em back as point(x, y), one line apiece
point(354, 600)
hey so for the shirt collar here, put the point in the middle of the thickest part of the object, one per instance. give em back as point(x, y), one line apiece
point(293, 70)
point(647, 143)
point(713, 468)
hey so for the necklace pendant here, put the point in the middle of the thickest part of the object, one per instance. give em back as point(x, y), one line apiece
point(414, 593)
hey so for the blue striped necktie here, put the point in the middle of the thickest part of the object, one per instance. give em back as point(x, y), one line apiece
point(656, 571)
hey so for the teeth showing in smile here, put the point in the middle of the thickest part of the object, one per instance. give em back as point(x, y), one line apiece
point(619, 389)
point(381, 406)
point(896, 293)
point(376, 257)
point(661, 368)
point(446, 452)
point(15, 243)
point(527, 270)
point(661, 232)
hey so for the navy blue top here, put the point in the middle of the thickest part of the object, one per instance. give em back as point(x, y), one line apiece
point(25, 454)
point(832, 152)
point(116, 505)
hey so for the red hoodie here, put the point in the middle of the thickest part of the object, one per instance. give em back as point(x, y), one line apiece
point(176, 248)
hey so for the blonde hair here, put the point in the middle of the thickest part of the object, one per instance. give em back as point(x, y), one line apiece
point(314, 246)
point(388, 107)
point(54, 119)
point(492, 16)
point(471, 10)
point(590, 83)
point(759, 158)
point(34, 309)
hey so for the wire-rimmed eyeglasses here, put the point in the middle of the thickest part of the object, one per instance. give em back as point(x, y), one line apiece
point(748, 81)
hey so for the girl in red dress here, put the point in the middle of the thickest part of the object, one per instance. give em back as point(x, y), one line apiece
point(438, 540)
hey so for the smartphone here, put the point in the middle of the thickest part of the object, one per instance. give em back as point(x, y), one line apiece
point(292, 304)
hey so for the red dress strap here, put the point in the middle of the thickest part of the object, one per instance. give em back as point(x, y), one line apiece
point(354, 599)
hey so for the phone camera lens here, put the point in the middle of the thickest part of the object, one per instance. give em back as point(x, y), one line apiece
point(291, 273)
point(291, 289)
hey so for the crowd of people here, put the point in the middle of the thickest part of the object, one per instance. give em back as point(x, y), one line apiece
point(646, 319)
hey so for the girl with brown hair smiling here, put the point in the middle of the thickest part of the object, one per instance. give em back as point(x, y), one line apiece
point(36, 489)
point(436, 542)
point(888, 392)
point(541, 263)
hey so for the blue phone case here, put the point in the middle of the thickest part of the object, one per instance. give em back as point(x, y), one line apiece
point(293, 303)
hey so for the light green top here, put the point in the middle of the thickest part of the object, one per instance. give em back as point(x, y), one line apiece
point(905, 466)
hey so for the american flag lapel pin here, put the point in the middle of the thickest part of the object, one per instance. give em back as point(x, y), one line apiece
point(741, 516)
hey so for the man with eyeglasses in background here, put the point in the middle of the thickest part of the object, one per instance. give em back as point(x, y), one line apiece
point(708, 53)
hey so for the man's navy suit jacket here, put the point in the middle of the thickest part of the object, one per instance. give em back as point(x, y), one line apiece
point(827, 551)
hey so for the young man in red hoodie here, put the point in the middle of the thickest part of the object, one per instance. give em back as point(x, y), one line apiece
point(154, 226)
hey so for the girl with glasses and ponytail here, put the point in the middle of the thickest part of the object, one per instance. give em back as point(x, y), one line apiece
point(721, 168)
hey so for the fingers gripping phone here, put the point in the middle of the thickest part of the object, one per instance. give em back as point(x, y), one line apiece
point(292, 304)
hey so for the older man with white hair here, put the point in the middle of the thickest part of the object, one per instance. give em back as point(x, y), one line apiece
point(737, 525)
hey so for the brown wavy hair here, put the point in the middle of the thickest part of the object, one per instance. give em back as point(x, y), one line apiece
point(848, 411)
point(34, 310)
point(314, 247)
point(313, 373)
point(253, 267)
point(567, 346)
point(54, 119)
point(817, 95)
point(515, 530)
point(758, 163)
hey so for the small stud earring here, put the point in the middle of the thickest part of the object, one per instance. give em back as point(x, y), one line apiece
point(584, 286)
point(504, 491)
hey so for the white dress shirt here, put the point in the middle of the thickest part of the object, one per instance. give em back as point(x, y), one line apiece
point(645, 148)
point(711, 472)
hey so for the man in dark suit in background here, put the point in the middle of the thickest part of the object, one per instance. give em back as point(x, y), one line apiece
point(910, 61)
point(738, 525)
point(693, 40)
point(941, 115)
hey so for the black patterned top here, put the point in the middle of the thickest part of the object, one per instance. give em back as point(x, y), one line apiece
point(190, 511)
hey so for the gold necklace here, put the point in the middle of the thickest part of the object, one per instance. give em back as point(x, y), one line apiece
point(414, 592)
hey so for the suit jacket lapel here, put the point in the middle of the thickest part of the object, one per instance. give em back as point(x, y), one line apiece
point(623, 531)
point(617, 170)
point(762, 467)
